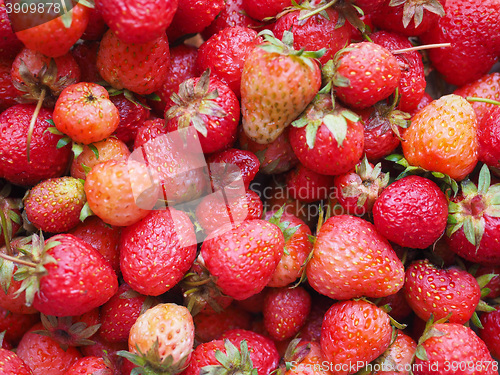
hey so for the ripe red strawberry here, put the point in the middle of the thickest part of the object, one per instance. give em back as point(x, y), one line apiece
point(442, 137)
point(11, 364)
point(408, 17)
point(104, 349)
point(223, 167)
point(314, 31)
point(494, 284)
point(472, 30)
point(46, 160)
point(84, 112)
point(225, 53)
point(85, 55)
point(55, 37)
point(8, 92)
point(327, 138)
point(285, 311)
point(351, 259)
point(15, 325)
point(96, 27)
point(398, 358)
point(281, 97)
point(262, 9)
point(363, 74)
point(490, 333)
point(308, 186)
point(90, 365)
point(489, 138)
point(113, 189)
point(243, 257)
point(138, 22)
point(204, 355)
point(354, 333)
point(54, 205)
point(162, 338)
point(399, 308)
point(9, 44)
point(132, 116)
point(210, 107)
point(474, 222)
point(411, 212)
point(211, 326)
point(150, 129)
point(432, 291)
point(312, 329)
point(157, 251)
point(141, 68)
point(451, 348)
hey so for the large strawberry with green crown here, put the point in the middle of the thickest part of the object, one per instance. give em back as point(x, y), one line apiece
point(269, 105)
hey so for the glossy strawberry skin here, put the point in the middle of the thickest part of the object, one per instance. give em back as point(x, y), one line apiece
point(89, 365)
point(261, 9)
point(430, 290)
point(11, 364)
point(308, 186)
point(9, 44)
point(489, 138)
point(80, 281)
point(46, 160)
point(254, 250)
point(16, 325)
point(211, 326)
point(8, 93)
point(399, 355)
point(132, 117)
point(490, 334)
point(246, 161)
point(343, 268)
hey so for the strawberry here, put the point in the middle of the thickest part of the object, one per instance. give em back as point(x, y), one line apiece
point(150, 129)
point(311, 331)
point(8, 92)
point(442, 137)
point(104, 349)
point(308, 186)
point(54, 205)
point(46, 159)
point(327, 138)
point(55, 37)
point(399, 308)
point(231, 165)
point(489, 138)
point(285, 311)
point(419, 208)
point(398, 357)
point(262, 9)
point(432, 291)
point(85, 55)
point(211, 326)
point(243, 257)
point(11, 364)
point(279, 99)
point(90, 365)
point(408, 17)
point(344, 266)
point(494, 284)
point(141, 68)
point(490, 333)
point(474, 221)
point(305, 358)
point(210, 107)
point(96, 27)
point(9, 44)
point(472, 30)
point(354, 333)
point(313, 31)
point(44, 355)
point(204, 355)
point(10, 211)
point(113, 189)
point(140, 22)
point(358, 81)
point(451, 348)
point(132, 116)
point(162, 339)
point(84, 112)
point(157, 251)
point(15, 325)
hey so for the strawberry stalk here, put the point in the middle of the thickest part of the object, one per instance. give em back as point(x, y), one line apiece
point(422, 47)
point(317, 10)
point(33, 121)
point(5, 231)
point(17, 260)
point(482, 100)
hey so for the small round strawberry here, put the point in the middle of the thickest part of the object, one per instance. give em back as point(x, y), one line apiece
point(90, 365)
point(285, 311)
point(54, 205)
point(133, 113)
point(490, 333)
point(84, 113)
point(162, 339)
point(432, 291)
point(351, 259)
point(138, 22)
point(364, 73)
point(411, 212)
point(141, 68)
point(308, 186)
point(46, 160)
point(157, 251)
point(325, 139)
point(243, 257)
point(442, 137)
point(11, 364)
point(120, 192)
point(261, 9)
point(354, 333)
point(210, 107)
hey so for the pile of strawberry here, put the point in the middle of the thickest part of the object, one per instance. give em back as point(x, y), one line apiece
point(251, 187)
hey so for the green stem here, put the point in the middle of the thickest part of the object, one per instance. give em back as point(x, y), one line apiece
point(422, 47)
point(316, 11)
point(5, 232)
point(33, 121)
point(482, 100)
point(17, 260)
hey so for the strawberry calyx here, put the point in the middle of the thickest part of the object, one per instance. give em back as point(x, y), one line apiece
point(414, 9)
point(387, 116)
point(9, 216)
point(306, 9)
point(429, 332)
point(234, 362)
point(295, 353)
point(65, 332)
point(284, 226)
point(476, 202)
point(194, 102)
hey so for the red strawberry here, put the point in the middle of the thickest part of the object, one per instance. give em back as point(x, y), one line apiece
point(412, 212)
point(104, 349)
point(54, 205)
point(55, 37)
point(472, 30)
point(490, 333)
point(210, 107)
point(312, 329)
point(141, 68)
point(211, 326)
point(308, 186)
point(150, 129)
point(132, 116)
point(46, 160)
point(351, 259)
point(303, 358)
point(85, 55)
point(494, 284)
point(8, 92)
point(9, 44)
point(243, 257)
point(96, 27)
point(327, 138)
point(227, 166)
point(399, 308)
point(14, 325)
point(204, 355)
point(11, 364)
point(489, 138)
point(261, 9)
point(157, 251)
point(138, 22)
point(397, 359)
point(285, 311)
point(363, 74)
point(354, 333)
point(431, 291)
point(90, 365)
point(281, 97)
point(84, 113)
